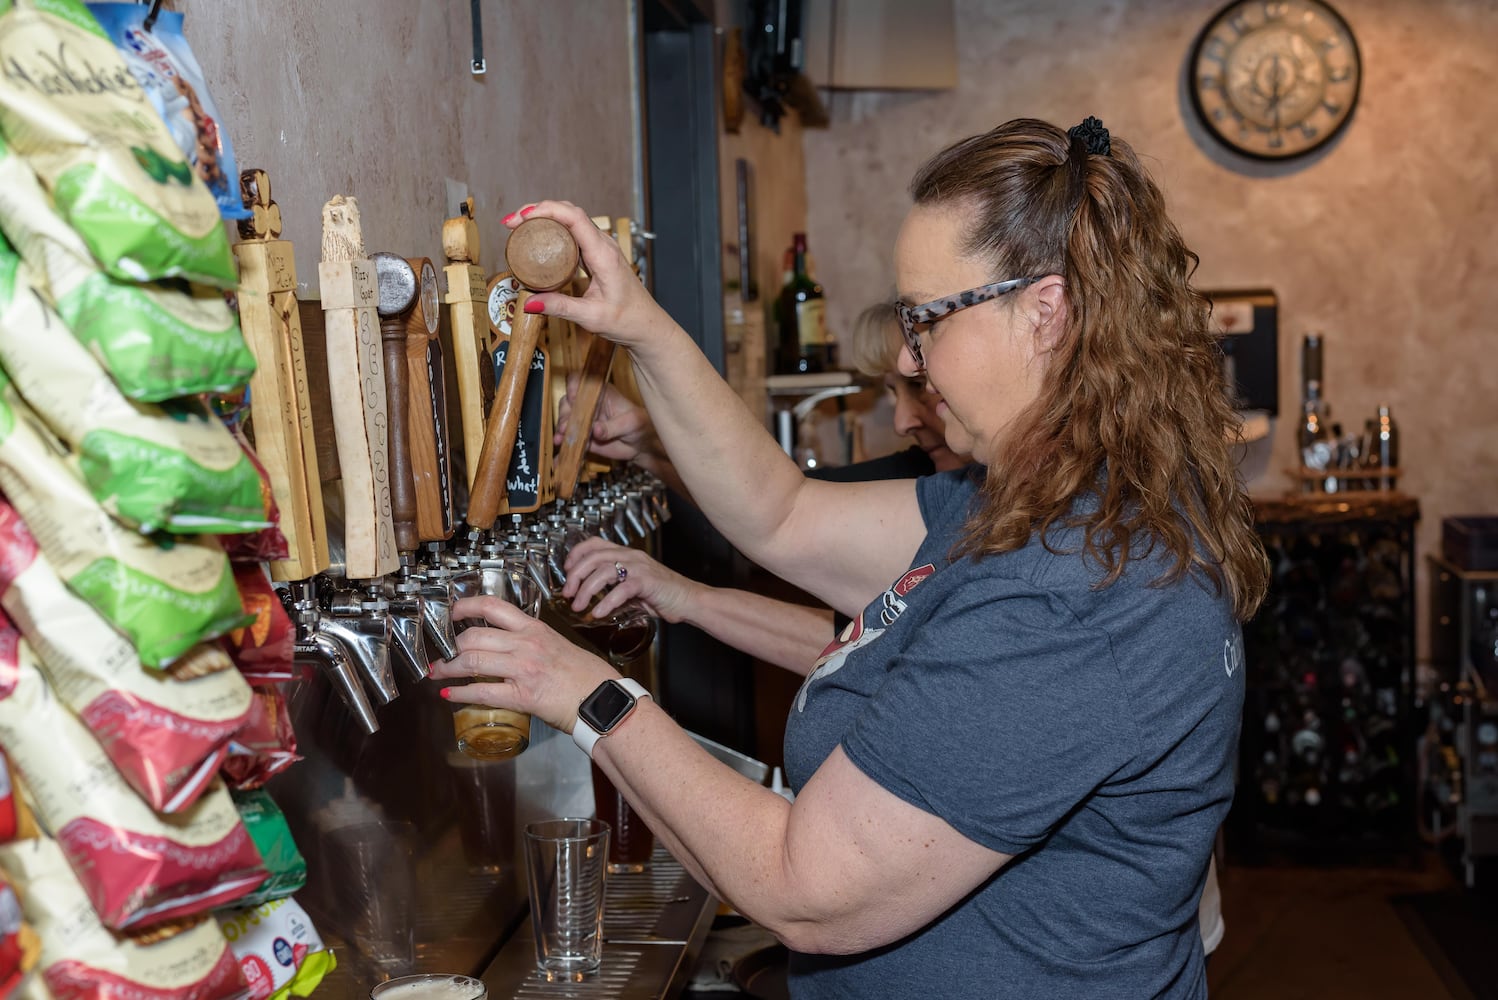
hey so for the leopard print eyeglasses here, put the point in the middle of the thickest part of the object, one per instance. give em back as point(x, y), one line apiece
point(915, 320)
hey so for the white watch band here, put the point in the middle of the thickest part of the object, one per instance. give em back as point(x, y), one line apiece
point(585, 736)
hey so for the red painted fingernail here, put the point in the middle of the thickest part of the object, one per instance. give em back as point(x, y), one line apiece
point(535, 306)
point(527, 210)
point(446, 692)
point(511, 219)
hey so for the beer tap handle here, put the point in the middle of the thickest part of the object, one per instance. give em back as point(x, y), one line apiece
point(466, 298)
point(356, 386)
point(598, 361)
point(431, 469)
point(280, 406)
point(543, 257)
point(397, 295)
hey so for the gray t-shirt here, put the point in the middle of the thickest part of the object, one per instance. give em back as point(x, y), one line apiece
point(1090, 733)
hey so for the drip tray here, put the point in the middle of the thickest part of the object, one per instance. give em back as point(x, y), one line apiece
point(654, 923)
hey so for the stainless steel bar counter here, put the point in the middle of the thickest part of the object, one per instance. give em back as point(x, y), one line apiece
point(654, 924)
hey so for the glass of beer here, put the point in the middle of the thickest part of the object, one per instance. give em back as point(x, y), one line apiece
point(483, 732)
point(430, 986)
point(632, 842)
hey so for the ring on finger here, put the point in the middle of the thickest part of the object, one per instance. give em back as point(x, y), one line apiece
point(621, 572)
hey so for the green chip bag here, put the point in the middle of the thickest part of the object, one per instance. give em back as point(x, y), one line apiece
point(173, 467)
point(72, 109)
point(158, 340)
point(164, 595)
point(268, 829)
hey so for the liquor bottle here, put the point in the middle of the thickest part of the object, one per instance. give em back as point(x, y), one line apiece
point(804, 343)
point(1387, 446)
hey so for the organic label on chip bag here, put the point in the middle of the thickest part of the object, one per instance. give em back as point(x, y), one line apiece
point(177, 469)
point(276, 945)
point(165, 596)
point(137, 867)
point(157, 340)
point(166, 736)
point(71, 108)
point(81, 959)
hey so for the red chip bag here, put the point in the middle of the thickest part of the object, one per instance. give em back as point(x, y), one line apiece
point(267, 544)
point(82, 960)
point(262, 649)
point(9, 817)
point(266, 745)
point(167, 736)
point(137, 867)
point(18, 942)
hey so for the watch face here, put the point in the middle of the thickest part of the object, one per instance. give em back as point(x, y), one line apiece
point(606, 706)
point(1275, 78)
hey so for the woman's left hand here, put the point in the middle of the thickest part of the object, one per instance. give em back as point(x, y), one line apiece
point(521, 664)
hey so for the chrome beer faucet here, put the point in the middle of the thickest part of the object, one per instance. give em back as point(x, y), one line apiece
point(360, 620)
point(318, 648)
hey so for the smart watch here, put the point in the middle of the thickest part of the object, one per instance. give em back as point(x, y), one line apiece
point(602, 711)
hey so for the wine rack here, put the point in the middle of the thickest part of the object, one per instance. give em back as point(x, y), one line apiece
point(1326, 755)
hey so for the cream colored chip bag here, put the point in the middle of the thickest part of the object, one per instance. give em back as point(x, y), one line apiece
point(72, 109)
point(167, 737)
point(166, 596)
point(158, 340)
point(82, 960)
point(176, 469)
point(137, 867)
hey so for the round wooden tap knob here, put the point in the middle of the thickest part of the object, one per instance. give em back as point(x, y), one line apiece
point(542, 254)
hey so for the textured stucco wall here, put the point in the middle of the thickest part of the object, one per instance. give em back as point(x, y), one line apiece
point(1384, 242)
point(374, 98)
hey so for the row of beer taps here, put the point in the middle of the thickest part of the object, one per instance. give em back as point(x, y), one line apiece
point(359, 633)
point(380, 547)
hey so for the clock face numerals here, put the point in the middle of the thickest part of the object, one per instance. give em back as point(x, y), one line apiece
point(1276, 78)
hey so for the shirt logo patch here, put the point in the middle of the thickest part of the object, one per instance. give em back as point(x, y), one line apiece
point(1232, 655)
point(857, 635)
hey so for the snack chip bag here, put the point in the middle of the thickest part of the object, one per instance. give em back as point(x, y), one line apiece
point(71, 108)
point(272, 837)
point(82, 960)
point(166, 736)
point(263, 650)
point(137, 867)
point(19, 946)
point(279, 950)
point(158, 340)
point(166, 596)
point(266, 745)
point(168, 72)
point(173, 467)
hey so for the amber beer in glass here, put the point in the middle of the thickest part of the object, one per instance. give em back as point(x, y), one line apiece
point(632, 842)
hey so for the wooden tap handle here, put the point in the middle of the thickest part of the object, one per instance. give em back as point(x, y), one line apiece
point(504, 418)
point(398, 406)
point(542, 254)
point(426, 421)
point(592, 377)
point(356, 391)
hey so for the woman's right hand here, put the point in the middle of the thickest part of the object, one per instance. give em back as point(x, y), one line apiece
point(616, 305)
point(594, 566)
point(621, 431)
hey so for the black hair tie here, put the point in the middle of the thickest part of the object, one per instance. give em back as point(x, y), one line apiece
point(1093, 135)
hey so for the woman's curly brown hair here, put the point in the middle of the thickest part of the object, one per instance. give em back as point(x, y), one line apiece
point(1133, 404)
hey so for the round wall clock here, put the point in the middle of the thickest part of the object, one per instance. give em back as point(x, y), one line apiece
point(1275, 78)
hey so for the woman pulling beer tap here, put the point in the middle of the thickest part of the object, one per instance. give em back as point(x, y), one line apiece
point(1010, 774)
